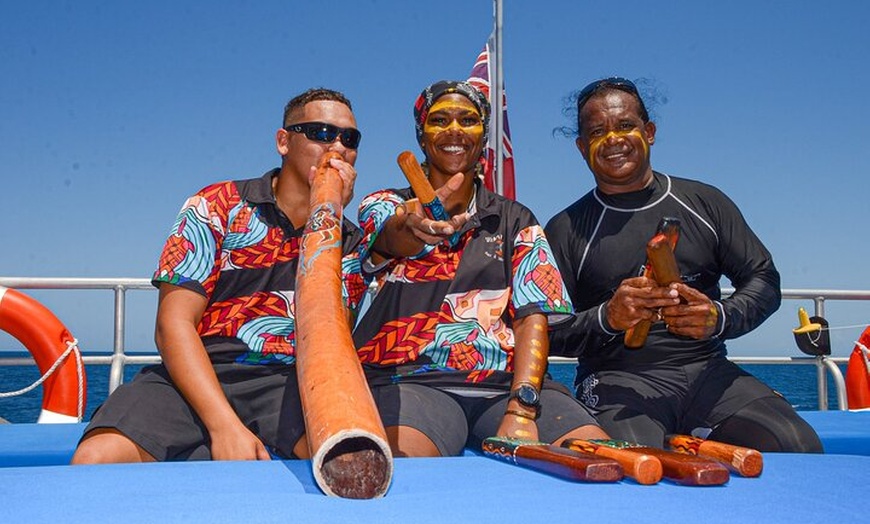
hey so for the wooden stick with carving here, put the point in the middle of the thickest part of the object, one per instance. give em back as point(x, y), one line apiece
point(635, 336)
point(679, 468)
point(349, 451)
point(423, 189)
point(553, 460)
point(643, 468)
point(746, 462)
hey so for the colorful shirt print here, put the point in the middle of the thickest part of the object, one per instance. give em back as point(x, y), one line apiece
point(453, 308)
point(231, 244)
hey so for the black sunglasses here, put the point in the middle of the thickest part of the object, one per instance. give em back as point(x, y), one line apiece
point(327, 133)
point(615, 82)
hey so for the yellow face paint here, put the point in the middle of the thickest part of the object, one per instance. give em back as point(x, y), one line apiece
point(449, 114)
point(597, 142)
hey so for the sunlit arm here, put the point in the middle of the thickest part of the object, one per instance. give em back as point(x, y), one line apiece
point(179, 311)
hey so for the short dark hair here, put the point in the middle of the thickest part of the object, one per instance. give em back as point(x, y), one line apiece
point(312, 95)
point(613, 83)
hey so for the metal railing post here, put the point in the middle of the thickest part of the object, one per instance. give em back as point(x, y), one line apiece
point(821, 376)
point(839, 383)
point(822, 383)
point(116, 373)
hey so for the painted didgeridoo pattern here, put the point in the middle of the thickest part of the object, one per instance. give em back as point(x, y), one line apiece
point(350, 454)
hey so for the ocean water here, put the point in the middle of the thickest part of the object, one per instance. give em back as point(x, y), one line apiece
point(795, 381)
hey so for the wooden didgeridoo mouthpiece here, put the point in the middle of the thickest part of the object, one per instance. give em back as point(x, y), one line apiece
point(746, 462)
point(643, 468)
point(635, 336)
point(679, 468)
point(350, 454)
point(553, 460)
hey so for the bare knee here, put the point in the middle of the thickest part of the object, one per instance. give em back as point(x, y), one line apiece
point(406, 441)
point(107, 446)
point(584, 432)
point(300, 449)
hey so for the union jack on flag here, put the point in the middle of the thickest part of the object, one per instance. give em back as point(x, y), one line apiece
point(503, 185)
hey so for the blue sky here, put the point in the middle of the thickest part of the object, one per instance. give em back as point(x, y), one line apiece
point(114, 112)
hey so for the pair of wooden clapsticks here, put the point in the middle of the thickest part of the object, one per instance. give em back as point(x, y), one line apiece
point(662, 267)
point(696, 462)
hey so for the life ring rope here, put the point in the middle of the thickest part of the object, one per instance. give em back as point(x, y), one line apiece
point(866, 354)
point(72, 346)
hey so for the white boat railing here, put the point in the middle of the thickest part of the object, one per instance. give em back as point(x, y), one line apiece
point(119, 358)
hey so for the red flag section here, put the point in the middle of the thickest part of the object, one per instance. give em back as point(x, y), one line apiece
point(480, 78)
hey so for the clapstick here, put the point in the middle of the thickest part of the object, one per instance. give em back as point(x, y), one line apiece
point(643, 468)
point(688, 470)
point(746, 462)
point(553, 460)
point(669, 227)
point(423, 189)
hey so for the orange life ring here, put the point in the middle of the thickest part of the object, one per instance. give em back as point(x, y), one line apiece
point(858, 374)
point(64, 392)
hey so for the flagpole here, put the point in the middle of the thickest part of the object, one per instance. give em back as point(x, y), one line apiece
point(497, 84)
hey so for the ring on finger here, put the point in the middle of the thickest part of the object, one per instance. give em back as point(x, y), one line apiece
point(432, 229)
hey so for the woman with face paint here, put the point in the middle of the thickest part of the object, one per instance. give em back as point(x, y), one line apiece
point(455, 340)
point(680, 381)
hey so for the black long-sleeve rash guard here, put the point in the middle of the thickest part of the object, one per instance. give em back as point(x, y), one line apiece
point(600, 240)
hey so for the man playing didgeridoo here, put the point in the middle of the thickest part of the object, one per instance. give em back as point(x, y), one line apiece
point(455, 341)
point(680, 380)
point(227, 386)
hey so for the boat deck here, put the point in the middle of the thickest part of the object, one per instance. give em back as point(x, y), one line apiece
point(793, 487)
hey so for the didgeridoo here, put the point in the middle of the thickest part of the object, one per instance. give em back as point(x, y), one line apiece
point(423, 189)
point(350, 454)
point(688, 470)
point(553, 460)
point(635, 336)
point(643, 468)
point(746, 462)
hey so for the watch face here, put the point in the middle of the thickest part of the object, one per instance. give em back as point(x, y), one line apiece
point(527, 395)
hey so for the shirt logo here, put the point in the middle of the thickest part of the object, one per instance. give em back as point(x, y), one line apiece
point(494, 247)
point(587, 396)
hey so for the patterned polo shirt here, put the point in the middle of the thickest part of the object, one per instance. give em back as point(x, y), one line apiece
point(231, 244)
point(452, 308)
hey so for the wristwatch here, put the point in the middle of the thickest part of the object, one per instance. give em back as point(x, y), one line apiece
point(527, 395)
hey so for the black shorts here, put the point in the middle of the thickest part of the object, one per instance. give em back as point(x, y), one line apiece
point(152, 412)
point(454, 418)
point(679, 398)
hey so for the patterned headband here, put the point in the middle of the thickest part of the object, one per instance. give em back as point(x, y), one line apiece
point(444, 87)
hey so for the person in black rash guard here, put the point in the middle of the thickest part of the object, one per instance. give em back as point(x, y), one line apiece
point(680, 381)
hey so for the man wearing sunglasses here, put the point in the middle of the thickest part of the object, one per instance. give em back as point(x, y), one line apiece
point(680, 380)
point(226, 389)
